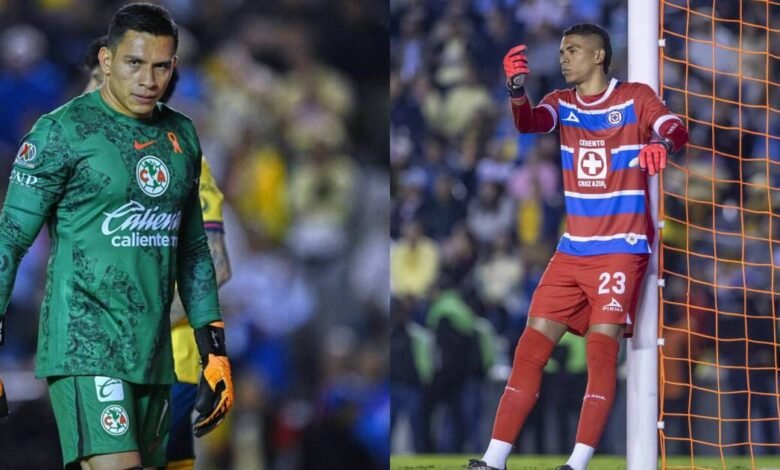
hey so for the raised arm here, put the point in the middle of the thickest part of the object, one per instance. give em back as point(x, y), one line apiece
point(539, 119)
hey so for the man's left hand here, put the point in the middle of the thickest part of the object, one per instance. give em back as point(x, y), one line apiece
point(652, 158)
point(215, 390)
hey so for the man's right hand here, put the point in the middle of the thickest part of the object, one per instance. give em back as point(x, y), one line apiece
point(516, 67)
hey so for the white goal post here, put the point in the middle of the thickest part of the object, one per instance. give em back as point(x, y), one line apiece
point(642, 382)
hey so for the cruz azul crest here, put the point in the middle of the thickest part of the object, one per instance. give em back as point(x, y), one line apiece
point(615, 118)
point(152, 175)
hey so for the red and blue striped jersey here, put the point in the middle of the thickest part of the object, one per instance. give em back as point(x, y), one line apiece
point(607, 203)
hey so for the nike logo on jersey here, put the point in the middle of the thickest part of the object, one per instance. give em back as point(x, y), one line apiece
point(572, 117)
point(140, 146)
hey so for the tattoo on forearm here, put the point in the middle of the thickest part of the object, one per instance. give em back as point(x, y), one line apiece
point(219, 256)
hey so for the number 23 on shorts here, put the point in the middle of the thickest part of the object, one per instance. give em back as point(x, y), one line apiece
point(612, 282)
point(612, 286)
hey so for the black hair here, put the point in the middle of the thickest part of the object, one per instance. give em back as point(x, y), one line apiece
point(589, 29)
point(144, 18)
point(91, 57)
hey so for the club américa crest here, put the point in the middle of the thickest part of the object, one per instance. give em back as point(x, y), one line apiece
point(114, 420)
point(152, 175)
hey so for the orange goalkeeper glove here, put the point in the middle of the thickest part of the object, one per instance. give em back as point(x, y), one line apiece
point(652, 157)
point(215, 388)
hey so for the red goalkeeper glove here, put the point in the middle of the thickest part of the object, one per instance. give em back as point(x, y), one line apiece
point(652, 157)
point(215, 388)
point(516, 68)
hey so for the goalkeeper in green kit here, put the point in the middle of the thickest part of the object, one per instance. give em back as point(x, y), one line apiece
point(114, 176)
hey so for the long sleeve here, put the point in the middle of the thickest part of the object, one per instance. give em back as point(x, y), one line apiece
point(532, 120)
point(674, 130)
point(38, 179)
point(537, 119)
point(660, 121)
point(195, 270)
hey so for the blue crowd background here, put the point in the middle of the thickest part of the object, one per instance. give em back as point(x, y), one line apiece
point(290, 101)
point(477, 212)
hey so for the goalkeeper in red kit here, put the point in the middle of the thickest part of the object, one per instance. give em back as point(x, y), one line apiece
point(613, 135)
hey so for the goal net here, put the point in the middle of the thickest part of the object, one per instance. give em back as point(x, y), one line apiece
point(720, 252)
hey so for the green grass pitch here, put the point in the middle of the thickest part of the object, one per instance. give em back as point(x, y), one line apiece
point(458, 462)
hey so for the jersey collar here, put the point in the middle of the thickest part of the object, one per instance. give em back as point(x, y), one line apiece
point(612, 84)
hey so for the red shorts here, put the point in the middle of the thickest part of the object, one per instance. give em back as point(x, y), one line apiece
point(580, 291)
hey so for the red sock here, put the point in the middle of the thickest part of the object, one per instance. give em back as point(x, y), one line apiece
point(602, 354)
point(522, 389)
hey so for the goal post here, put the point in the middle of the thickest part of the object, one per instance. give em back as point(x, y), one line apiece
point(719, 312)
point(642, 358)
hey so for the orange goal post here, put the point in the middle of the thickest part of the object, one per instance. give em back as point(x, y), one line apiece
point(715, 309)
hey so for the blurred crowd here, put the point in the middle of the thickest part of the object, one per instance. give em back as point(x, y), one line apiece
point(290, 102)
point(477, 211)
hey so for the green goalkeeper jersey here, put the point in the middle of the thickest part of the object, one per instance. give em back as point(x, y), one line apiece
point(120, 199)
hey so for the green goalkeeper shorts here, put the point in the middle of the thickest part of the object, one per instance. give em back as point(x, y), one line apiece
point(102, 415)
